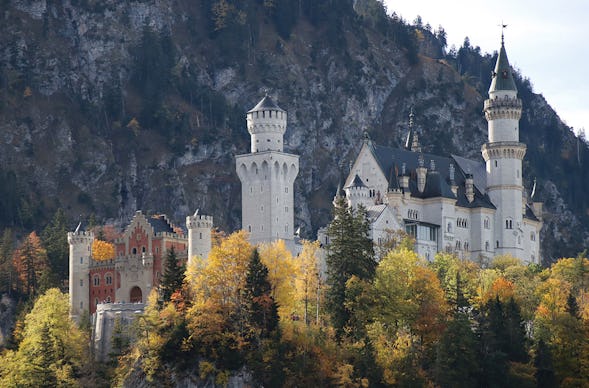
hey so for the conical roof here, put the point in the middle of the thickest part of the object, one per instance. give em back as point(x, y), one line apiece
point(357, 182)
point(503, 74)
point(266, 103)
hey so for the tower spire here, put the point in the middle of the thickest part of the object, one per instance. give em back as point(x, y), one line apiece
point(412, 141)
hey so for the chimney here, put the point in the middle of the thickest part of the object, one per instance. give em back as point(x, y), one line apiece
point(453, 185)
point(469, 185)
point(421, 174)
point(538, 209)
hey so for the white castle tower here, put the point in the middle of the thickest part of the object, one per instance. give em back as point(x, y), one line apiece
point(80, 243)
point(503, 155)
point(199, 235)
point(267, 175)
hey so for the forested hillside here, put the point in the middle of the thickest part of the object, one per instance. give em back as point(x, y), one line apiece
point(107, 107)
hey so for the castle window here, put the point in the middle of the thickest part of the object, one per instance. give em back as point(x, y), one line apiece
point(200, 235)
point(286, 209)
point(96, 280)
point(495, 163)
point(157, 250)
point(263, 114)
point(108, 278)
point(134, 251)
point(270, 113)
point(143, 249)
point(466, 246)
point(81, 282)
point(286, 189)
point(486, 223)
point(533, 236)
point(268, 140)
point(108, 299)
point(458, 245)
point(497, 244)
point(449, 227)
point(486, 246)
point(81, 305)
point(261, 208)
point(508, 224)
point(81, 260)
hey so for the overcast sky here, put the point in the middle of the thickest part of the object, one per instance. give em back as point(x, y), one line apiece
point(548, 41)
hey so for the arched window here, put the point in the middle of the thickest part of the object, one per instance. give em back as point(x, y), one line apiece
point(486, 246)
point(143, 249)
point(134, 251)
point(108, 278)
point(533, 236)
point(486, 223)
point(96, 280)
point(497, 244)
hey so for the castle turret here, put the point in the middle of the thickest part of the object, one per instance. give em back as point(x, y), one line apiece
point(267, 177)
point(80, 243)
point(357, 193)
point(199, 235)
point(503, 154)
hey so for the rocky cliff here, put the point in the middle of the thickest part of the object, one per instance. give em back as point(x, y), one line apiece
point(107, 107)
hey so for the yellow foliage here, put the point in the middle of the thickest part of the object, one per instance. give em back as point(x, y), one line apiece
point(282, 274)
point(308, 282)
point(102, 250)
point(501, 288)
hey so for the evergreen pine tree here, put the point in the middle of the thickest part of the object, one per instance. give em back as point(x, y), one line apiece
point(261, 308)
point(493, 337)
point(457, 361)
point(515, 344)
point(572, 307)
point(54, 239)
point(545, 377)
point(350, 253)
point(44, 361)
point(173, 276)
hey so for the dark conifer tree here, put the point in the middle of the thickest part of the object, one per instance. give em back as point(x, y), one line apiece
point(350, 253)
point(261, 308)
point(572, 307)
point(54, 239)
point(173, 276)
point(457, 362)
point(515, 344)
point(545, 377)
point(493, 337)
point(44, 361)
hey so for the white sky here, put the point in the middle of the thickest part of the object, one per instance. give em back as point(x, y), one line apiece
point(548, 41)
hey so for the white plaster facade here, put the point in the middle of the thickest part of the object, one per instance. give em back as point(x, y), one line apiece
point(452, 204)
point(267, 177)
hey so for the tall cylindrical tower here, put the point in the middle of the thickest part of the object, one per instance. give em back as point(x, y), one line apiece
point(199, 235)
point(503, 154)
point(267, 176)
point(80, 243)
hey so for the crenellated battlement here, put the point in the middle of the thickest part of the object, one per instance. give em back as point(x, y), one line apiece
point(199, 221)
point(80, 237)
point(503, 108)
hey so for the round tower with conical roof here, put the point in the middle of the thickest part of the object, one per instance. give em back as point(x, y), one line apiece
point(267, 177)
point(503, 154)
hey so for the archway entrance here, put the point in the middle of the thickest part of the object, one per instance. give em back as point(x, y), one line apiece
point(136, 296)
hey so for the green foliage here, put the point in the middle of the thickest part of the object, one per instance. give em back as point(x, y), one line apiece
point(173, 276)
point(350, 253)
point(53, 350)
point(54, 239)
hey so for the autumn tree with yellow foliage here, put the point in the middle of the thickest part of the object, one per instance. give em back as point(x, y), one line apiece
point(102, 250)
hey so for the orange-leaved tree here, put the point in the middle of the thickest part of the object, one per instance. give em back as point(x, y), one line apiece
point(102, 250)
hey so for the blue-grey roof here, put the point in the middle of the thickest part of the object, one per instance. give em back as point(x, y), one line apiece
point(529, 214)
point(438, 182)
point(357, 182)
point(503, 74)
point(266, 103)
point(160, 224)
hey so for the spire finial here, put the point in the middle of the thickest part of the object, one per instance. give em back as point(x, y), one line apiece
point(503, 26)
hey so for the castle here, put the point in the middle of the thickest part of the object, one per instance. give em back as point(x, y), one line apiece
point(136, 269)
point(473, 209)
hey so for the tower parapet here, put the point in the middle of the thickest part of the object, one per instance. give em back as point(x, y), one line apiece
point(80, 257)
point(199, 235)
point(266, 123)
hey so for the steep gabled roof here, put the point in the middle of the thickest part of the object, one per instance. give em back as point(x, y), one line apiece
point(357, 182)
point(438, 181)
point(160, 224)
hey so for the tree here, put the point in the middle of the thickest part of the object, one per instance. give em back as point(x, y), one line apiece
point(30, 262)
point(102, 250)
point(173, 276)
point(350, 253)
point(7, 274)
point(53, 350)
point(308, 283)
point(544, 374)
point(282, 273)
point(261, 308)
point(54, 239)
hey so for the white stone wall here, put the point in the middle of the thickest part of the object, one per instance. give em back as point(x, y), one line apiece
point(266, 130)
point(267, 180)
point(199, 236)
point(80, 254)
